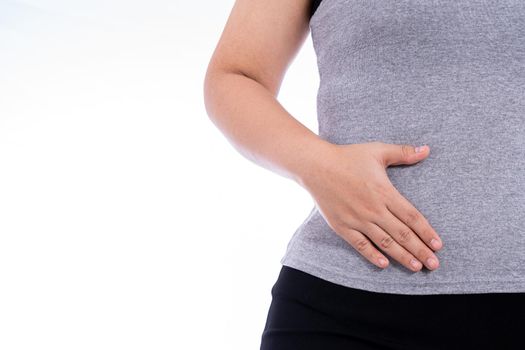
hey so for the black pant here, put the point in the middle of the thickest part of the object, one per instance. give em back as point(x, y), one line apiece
point(308, 312)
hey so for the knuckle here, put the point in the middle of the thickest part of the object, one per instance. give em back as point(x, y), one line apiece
point(429, 233)
point(405, 151)
point(344, 231)
point(339, 225)
point(404, 236)
point(412, 218)
point(369, 208)
point(382, 188)
point(362, 244)
point(386, 241)
point(423, 254)
point(387, 195)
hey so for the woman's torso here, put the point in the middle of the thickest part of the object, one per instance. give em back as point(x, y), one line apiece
point(450, 74)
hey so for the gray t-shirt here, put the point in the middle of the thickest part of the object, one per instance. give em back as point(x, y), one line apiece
point(447, 73)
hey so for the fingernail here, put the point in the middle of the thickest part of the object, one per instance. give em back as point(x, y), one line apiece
point(435, 243)
point(432, 262)
point(382, 262)
point(420, 149)
point(415, 264)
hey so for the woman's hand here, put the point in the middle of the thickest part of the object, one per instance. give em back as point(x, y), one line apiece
point(356, 198)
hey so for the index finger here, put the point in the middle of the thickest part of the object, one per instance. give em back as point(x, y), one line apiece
point(398, 205)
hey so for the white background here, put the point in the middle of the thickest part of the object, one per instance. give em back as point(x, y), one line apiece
point(127, 220)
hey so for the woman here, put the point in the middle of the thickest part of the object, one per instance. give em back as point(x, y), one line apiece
point(406, 247)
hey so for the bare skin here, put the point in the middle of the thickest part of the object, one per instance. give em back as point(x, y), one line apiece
point(348, 183)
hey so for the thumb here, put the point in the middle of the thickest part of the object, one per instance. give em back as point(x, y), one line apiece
point(395, 154)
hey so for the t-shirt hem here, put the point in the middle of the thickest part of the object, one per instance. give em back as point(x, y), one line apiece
point(398, 287)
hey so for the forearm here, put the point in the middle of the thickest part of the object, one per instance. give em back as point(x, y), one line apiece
point(259, 127)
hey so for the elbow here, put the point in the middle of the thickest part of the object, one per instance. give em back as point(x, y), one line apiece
point(208, 86)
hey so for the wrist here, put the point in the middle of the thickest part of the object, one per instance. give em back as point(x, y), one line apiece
point(316, 159)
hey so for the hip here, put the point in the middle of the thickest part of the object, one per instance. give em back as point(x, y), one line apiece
point(308, 312)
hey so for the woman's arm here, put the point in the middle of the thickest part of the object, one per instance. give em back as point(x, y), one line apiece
point(259, 41)
point(348, 182)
